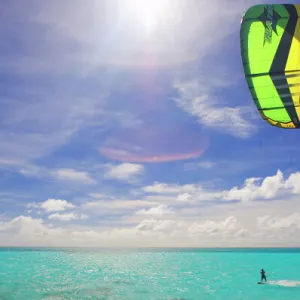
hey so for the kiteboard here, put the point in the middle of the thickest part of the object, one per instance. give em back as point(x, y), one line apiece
point(261, 282)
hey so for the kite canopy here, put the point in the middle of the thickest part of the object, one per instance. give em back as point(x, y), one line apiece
point(270, 49)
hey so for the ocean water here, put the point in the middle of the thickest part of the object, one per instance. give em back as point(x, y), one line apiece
point(182, 274)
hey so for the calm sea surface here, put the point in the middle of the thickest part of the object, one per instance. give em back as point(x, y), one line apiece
point(202, 274)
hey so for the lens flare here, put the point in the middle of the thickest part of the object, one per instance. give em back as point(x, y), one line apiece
point(155, 144)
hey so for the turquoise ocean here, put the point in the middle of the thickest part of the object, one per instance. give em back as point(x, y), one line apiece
point(182, 274)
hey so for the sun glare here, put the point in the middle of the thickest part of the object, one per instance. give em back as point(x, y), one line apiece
point(148, 13)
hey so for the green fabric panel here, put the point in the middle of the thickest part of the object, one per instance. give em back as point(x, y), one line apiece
point(258, 56)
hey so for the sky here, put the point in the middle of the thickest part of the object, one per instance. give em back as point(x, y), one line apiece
point(130, 123)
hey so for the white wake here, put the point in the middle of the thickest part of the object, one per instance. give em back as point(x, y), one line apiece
point(287, 283)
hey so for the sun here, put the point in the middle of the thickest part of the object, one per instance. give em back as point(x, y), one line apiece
point(147, 13)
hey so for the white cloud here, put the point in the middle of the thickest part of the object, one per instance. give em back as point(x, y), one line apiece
point(293, 183)
point(28, 231)
point(67, 217)
point(124, 172)
point(183, 193)
point(269, 223)
point(30, 170)
point(197, 98)
point(19, 222)
point(52, 205)
point(73, 175)
point(160, 210)
point(276, 223)
point(158, 198)
point(63, 174)
point(245, 224)
point(164, 188)
point(253, 189)
point(153, 225)
point(116, 205)
point(185, 197)
point(267, 189)
point(229, 225)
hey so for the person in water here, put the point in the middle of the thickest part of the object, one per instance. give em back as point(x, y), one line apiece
point(263, 275)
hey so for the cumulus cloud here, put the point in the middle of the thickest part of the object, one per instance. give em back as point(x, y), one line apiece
point(259, 224)
point(253, 189)
point(21, 223)
point(153, 225)
point(182, 193)
point(185, 197)
point(229, 225)
point(293, 183)
point(160, 210)
point(53, 205)
point(267, 188)
point(276, 223)
point(28, 231)
point(127, 172)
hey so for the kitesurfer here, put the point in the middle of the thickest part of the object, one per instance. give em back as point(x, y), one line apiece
point(263, 275)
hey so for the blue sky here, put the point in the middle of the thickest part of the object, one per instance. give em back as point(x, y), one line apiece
point(124, 124)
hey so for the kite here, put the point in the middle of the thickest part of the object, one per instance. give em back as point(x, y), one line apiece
point(270, 50)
